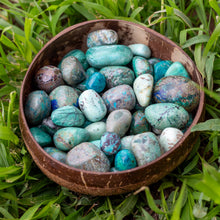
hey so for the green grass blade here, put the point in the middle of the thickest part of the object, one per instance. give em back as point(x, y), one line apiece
point(215, 6)
point(136, 12)
point(5, 171)
point(209, 125)
point(82, 10)
point(191, 165)
point(6, 214)
point(209, 70)
point(196, 40)
point(181, 15)
point(28, 215)
point(7, 134)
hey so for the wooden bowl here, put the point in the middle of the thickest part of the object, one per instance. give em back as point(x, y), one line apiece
point(109, 183)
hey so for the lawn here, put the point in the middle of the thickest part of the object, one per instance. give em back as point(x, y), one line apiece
point(191, 191)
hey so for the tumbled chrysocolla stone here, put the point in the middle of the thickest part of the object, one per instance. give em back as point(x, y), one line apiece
point(90, 71)
point(154, 60)
point(72, 71)
point(96, 130)
point(140, 50)
point(188, 124)
point(102, 37)
point(37, 107)
point(66, 138)
point(160, 69)
point(48, 78)
point(63, 96)
point(87, 156)
point(68, 116)
point(119, 97)
point(96, 82)
point(113, 55)
point(118, 75)
point(177, 89)
point(41, 137)
point(163, 115)
point(177, 69)
point(126, 142)
point(56, 154)
point(48, 126)
point(141, 66)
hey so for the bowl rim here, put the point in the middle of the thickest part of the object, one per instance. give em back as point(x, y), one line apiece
point(199, 112)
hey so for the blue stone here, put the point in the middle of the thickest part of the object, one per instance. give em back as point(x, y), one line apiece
point(96, 82)
point(160, 69)
point(90, 71)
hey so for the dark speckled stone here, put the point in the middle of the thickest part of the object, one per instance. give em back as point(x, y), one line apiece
point(48, 126)
point(110, 143)
point(177, 89)
point(87, 156)
point(42, 138)
point(48, 78)
point(37, 107)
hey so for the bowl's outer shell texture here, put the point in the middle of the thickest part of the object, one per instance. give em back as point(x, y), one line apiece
point(95, 183)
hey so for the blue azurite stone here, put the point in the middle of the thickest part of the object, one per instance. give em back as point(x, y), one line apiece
point(48, 126)
point(177, 89)
point(56, 154)
point(68, 116)
point(140, 50)
point(141, 66)
point(163, 115)
point(125, 160)
point(42, 138)
point(112, 55)
point(102, 37)
point(110, 143)
point(96, 82)
point(177, 69)
point(37, 107)
point(160, 69)
point(63, 96)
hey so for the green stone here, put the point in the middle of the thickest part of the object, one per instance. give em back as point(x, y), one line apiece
point(177, 69)
point(42, 138)
point(141, 66)
point(140, 50)
point(96, 130)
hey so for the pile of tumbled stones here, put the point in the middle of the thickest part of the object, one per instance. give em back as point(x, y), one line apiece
point(112, 108)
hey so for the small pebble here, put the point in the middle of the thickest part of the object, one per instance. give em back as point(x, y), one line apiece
point(56, 154)
point(141, 66)
point(126, 142)
point(48, 126)
point(160, 69)
point(110, 143)
point(140, 50)
point(119, 122)
point(41, 137)
point(125, 160)
point(96, 130)
point(87, 156)
point(177, 69)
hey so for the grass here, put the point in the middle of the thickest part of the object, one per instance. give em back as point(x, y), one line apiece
point(191, 191)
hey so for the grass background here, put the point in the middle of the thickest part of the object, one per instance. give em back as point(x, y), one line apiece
point(191, 191)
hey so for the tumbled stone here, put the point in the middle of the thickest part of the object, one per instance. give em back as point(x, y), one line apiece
point(102, 37)
point(140, 50)
point(113, 55)
point(63, 96)
point(96, 130)
point(48, 126)
point(119, 97)
point(154, 60)
point(41, 137)
point(48, 78)
point(92, 105)
point(177, 69)
point(188, 124)
point(169, 137)
point(163, 115)
point(119, 122)
point(87, 156)
point(110, 143)
point(56, 154)
point(141, 66)
point(145, 147)
point(37, 107)
point(126, 142)
point(160, 69)
point(125, 160)
point(118, 75)
point(66, 138)
point(96, 143)
point(139, 123)
point(113, 169)
point(82, 86)
point(90, 71)
point(68, 116)
point(72, 71)
point(177, 89)
point(143, 86)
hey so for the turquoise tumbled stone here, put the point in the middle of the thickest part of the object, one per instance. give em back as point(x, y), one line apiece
point(113, 55)
point(141, 66)
point(92, 105)
point(62, 96)
point(68, 116)
point(96, 130)
point(110, 143)
point(125, 160)
point(102, 37)
point(96, 143)
point(140, 50)
point(139, 123)
point(72, 71)
point(118, 75)
point(42, 138)
point(177, 89)
point(48, 126)
point(56, 154)
point(177, 69)
point(82, 86)
point(154, 60)
point(96, 82)
point(145, 147)
point(163, 115)
point(113, 169)
point(126, 142)
point(87, 156)
point(66, 138)
point(80, 55)
point(160, 69)
point(189, 122)
point(37, 107)
point(90, 71)
point(119, 97)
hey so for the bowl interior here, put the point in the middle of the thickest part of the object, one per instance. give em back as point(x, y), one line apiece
point(95, 183)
